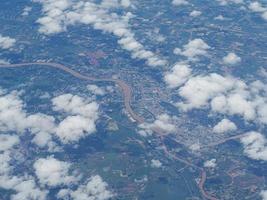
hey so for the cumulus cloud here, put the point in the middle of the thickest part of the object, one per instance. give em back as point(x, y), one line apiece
point(8, 141)
point(53, 172)
point(231, 59)
point(156, 163)
point(6, 42)
point(178, 75)
point(225, 2)
point(210, 163)
point(163, 123)
point(263, 194)
point(258, 8)
point(226, 95)
point(13, 117)
point(94, 189)
point(255, 146)
point(82, 120)
point(179, 2)
point(58, 15)
point(79, 122)
point(223, 126)
point(24, 187)
point(193, 49)
point(96, 90)
point(195, 13)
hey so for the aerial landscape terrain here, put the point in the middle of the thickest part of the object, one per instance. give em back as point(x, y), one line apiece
point(133, 100)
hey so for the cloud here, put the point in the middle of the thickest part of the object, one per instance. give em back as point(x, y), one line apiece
point(96, 90)
point(231, 59)
point(195, 13)
point(79, 122)
point(258, 8)
point(58, 15)
point(82, 120)
point(26, 11)
point(210, 163)
point(226, 95)
point(23, 187)
point(8, 141)
point(6, 42)
point(178, 75)
point(94, 189)
point(163, 123)
point(255, 146)
point(53, 172)
point(155, 163)
point(224, 126)
point(263, 194)
point(225, 2)
point(179, 2)
point(193, 49)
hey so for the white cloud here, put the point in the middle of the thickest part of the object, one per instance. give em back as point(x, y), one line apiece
point(258, 8)
point(223, 126)
point(83, 119)
point(179, 2)
point(193, 49)
point(231, 59)
point(58, 15)
point(226, 95)
point(6, 42)
point(225, 2)
point(163, 123)
point(255, 146)
point(96, 90)
point(178, 75)
point(8, 141)
point(80, 122)
point(210, 163)
point(26, 11)
point(219, 17)
point(94, 189)
point(156, 163)
point(23, 187)
point(263, 194)
point(195, 13)
point(53, 172)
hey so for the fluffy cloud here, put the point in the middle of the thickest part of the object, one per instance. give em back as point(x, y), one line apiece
point(225, 2)
point(82, 120)
point(94, 189)
point(258, 8)
point(231, 59)
point(195, 13)
point(226, 95)
point(193, 49)
point(53, 172)
point(6, 42)
point(210, 163)
point(96, 90)
point(156, 163)
point(8, 141)
point(255, 146)
point(224, 126)
point(24, 187)
point(58, 15)
point(263, 194)
point(179, 2)
point(178, 75)
point(13, 117)
point(163, 123)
